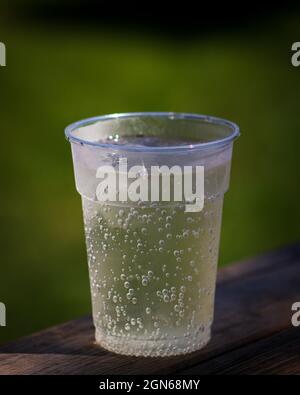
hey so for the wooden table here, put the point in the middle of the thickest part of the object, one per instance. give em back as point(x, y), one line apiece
point(252, 332)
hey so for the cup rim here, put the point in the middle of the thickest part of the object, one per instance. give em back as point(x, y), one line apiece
point(217, 143)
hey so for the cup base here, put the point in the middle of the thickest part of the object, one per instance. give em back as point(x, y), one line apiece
point(154, 348)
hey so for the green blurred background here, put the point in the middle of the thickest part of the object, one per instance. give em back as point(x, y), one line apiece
point(62, 69)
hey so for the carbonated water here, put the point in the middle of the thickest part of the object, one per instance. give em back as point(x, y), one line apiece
point(153, 272)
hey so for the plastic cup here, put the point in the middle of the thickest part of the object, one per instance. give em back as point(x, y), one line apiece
point(152, 265)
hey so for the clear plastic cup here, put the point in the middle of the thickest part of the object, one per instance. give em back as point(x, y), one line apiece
point(152, 265)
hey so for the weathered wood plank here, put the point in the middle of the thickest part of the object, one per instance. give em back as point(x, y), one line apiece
point(253, 301)
point(277, 354)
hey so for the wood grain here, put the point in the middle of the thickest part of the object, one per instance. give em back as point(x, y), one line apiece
point(277, 354)
point(253, 307)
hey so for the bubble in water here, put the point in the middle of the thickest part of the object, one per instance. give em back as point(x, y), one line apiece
point(166, 298)
point(145, 281)
point(127, 327)
point(148, 310)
